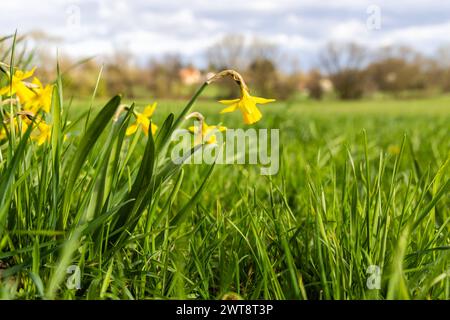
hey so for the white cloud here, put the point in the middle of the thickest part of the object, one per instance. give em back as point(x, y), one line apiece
point(428, 37)
point(156, 27)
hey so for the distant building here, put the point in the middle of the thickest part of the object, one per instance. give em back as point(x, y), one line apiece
point(326, 85)
point(190, 76)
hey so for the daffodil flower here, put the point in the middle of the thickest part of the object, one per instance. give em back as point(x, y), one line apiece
point(18, 87)
point(143, 120)
point(43, 134)
point(206, 133)
point(247, 105)
point(41, 131)
point(41, 99)
point(2, 133)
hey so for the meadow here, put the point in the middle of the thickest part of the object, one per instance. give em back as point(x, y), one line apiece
point(358, 210)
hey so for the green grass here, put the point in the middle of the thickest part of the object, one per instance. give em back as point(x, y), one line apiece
point(360, 184)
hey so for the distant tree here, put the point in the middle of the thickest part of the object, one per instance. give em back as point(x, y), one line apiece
point(227, 53)
point(80, 78)
point(256, 59)
point(120, 73)
point(397, 69)
point(344, 63)
point(263, 76)
point(442, 68)
point(313, 84)
point(163, 75)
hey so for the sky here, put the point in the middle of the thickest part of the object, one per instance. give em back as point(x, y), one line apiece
point(298, 28)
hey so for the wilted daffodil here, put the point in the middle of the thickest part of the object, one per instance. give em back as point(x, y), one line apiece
point(143, 120)
point(247, 105)
point(41, 99)
point(18, 87)
point(205, 132)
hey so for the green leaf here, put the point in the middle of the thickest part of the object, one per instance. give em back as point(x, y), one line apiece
point(86, 145)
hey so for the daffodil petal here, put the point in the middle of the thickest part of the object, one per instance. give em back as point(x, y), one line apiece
point(154, 128)
point(227, 102)
point(131, 129)
point(260, 100)
point(25, 75)
point(254, 116)
point(229, 109)
point(145, 128)
point(211, 139)
point(149, 110)
point(5, 90)
point(37, 82)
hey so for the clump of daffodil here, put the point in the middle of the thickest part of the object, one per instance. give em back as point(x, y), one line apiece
point(246, 103)
point(143, 121)
point(203, 132)
point(32, 95)
point(19, 87)
point(41, 99)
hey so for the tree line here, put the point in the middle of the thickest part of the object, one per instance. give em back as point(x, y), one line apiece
point(340, 70)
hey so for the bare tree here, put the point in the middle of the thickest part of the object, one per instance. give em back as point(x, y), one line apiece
point(229, 52)
point(121, 73)
point(163, 75)
point(443, 56)
point(263, 76)
point(396, 69)
point(344, 63)
point(260, 49)
point(313, 84)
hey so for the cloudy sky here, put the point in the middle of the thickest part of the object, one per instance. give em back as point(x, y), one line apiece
point(299, 27)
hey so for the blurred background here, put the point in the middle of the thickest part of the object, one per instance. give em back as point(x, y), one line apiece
point(288, 50)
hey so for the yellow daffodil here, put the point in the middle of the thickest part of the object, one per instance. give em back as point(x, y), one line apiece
point(18, 87)
point(247, 105)
point(207, 133)
point(41, 99)
point(43, 134)
point(41, 131)
point(393, 149)
point(2, 133)
point(143, 120)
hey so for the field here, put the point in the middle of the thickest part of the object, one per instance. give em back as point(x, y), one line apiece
point(358, 210)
